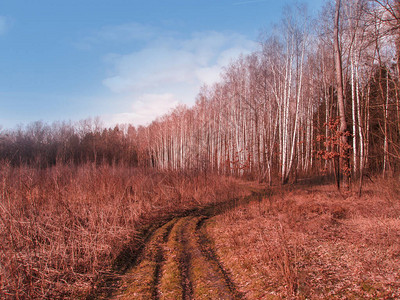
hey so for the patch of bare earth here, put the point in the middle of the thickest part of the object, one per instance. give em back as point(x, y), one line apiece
point(178, 263)
point(312, 243)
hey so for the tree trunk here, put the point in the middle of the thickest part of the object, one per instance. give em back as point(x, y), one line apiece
point(340, 96)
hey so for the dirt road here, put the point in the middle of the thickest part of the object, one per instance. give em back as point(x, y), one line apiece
point(177, 261)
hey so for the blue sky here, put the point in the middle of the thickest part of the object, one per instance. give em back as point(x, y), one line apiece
point(124, 61)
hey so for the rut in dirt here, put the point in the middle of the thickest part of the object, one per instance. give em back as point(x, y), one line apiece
point(185, 259)
point(177, 260)
point(176, 264)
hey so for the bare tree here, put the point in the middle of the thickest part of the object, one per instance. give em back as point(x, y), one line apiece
point(340, 94)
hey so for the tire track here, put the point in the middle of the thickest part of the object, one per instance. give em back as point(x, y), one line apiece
point(185, 261)
point(160, 259)
point(178, 261)
point(176, 265)
point(208, 251)
point(142, 281)
point(208, 281)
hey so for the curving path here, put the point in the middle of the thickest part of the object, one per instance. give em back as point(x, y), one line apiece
point(178, 262)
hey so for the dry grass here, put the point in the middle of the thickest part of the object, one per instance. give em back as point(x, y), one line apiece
point(312, 243)
point(62, 227)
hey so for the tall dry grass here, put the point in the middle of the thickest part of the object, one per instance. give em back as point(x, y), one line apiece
point(311, 242)
point(61, 227)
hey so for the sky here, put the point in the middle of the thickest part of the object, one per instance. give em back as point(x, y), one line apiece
point(125, 61)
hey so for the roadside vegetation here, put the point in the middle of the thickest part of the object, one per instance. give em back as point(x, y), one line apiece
point(311, 242)
point(64, 229)
point(105, 231)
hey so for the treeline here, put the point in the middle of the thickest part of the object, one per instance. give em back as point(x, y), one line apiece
point(42, 145)
point(273, 114)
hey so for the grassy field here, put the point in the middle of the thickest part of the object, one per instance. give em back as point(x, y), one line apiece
point(310, 242)
point(103, 231)
point(64, 229)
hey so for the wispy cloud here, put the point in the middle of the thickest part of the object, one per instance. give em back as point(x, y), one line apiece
point(166, 70)
point(4, 24)
point(249, 2)
point(127, 32)
point(170, 71)
point(144, 110)
point(120, 34)
point(167, 62)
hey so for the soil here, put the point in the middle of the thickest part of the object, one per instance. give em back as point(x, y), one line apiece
point(177, 260)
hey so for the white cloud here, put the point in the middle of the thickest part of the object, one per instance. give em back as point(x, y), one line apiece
point(151, 68)
point(209, 75)
point(170, 70)
point(172, 61)
point(144, 110)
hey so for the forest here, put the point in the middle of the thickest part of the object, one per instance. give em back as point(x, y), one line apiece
point(318, 102)
point(271, 114)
